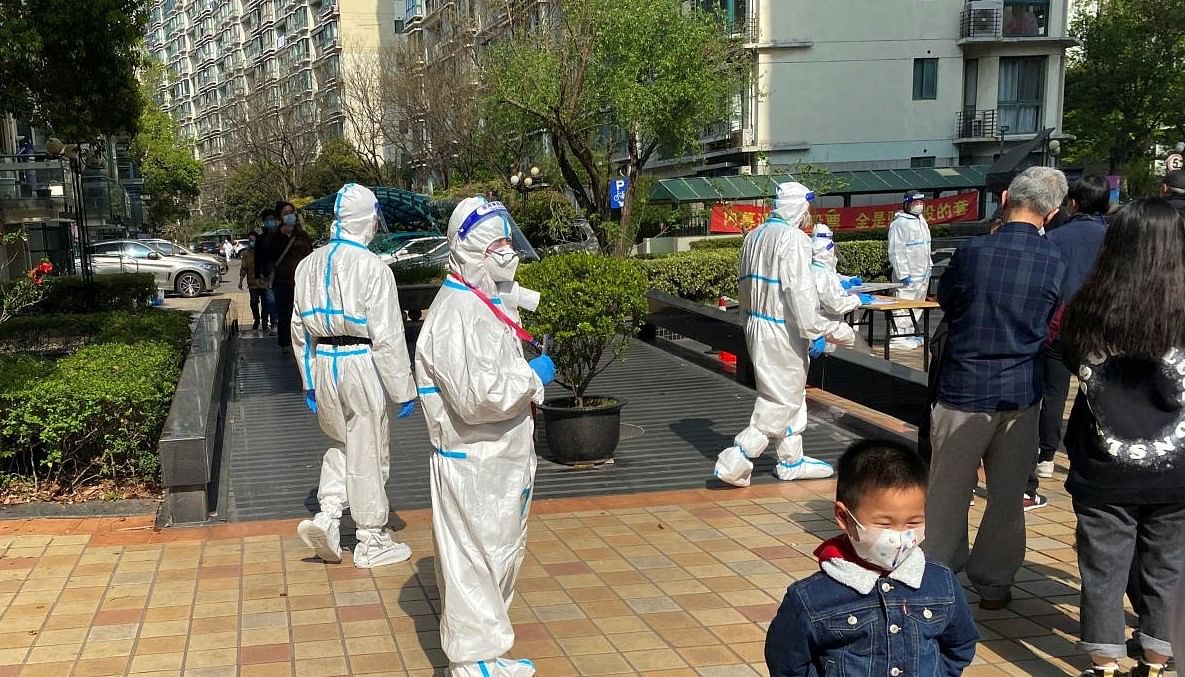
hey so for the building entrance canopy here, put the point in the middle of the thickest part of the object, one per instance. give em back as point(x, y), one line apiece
point(403, 210)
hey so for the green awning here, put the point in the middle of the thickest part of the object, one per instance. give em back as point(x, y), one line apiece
point(403, 210)
point(735, 188)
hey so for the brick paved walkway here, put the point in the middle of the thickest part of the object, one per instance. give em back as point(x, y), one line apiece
point(680, 583)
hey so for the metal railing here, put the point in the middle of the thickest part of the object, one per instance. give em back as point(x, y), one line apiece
point(981, 23)
point(975, 124)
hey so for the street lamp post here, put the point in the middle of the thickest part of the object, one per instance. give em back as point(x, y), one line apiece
point(523, 182)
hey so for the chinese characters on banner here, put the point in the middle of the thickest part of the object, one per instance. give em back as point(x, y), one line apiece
point(743, 218)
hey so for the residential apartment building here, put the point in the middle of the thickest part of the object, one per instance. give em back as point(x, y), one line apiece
point(888, 84)
point(230, 60)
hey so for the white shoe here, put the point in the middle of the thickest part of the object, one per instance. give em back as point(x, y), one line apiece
point(323, 535)
point(805, 468)
point(734, 467)
point(376, 548)
point(909, 343)
point(1045, 469)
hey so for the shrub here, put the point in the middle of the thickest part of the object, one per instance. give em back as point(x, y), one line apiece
point(697, 275)
point(869, 260)
point(121, 291)
point(66, 333)
point(95, 414)
point(718, 243)
point(591, 305)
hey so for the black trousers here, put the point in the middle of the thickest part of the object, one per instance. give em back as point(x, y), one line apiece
point(1053, 407)
point(285, 297)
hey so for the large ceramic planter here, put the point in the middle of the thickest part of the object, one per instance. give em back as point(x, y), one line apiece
point(582, 436)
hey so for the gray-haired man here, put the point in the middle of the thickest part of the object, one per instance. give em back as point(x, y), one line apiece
point(999, 294)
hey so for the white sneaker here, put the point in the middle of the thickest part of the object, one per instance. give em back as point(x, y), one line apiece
point(805, 468)
point(733, 467)
point(376, 548)
point(1045, 469)
point(323, 535)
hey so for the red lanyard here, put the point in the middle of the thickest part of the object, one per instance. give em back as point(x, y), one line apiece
point(523, 334)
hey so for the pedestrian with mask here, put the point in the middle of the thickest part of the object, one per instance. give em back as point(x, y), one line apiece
point(291, 246)
point(265, 258)
point(1173, 190)
point(479, 392)
point(1124, 336)
point(909, 254)
point(255, 284)
point(783, 331)
point(1078, 241)
point(353, 361)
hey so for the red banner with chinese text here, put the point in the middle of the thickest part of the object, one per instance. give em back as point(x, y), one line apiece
point(743, 218)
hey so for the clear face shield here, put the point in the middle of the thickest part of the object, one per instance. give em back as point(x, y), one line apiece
point(510, 230)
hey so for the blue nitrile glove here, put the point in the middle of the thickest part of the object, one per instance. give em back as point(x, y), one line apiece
point(407, 409)
point(310, 400)
point(866, 299)
point(544, 367)
point(907, 280)
point(846, 284)
point(817, 347)
point(856, 281)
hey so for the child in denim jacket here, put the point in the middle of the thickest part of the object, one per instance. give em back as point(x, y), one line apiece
point(878, 606)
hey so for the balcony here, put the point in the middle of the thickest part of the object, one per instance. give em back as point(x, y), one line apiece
point(982, 23)
point(748, 30)
point(972, 126)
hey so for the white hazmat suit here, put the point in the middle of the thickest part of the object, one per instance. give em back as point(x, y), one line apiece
point(778, 297)
point(835, 302)
point(347, 335)
point(909, 254)
point(477, 390)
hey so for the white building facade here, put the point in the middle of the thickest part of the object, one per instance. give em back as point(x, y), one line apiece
point(888, 84)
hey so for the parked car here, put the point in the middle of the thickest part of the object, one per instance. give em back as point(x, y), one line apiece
point(186, 275)
point(173, 249)
point(578, 236)
point(240, 246)
point(422, 251)
point(209, 248)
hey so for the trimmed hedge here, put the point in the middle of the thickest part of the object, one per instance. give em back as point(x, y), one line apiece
point(868, 259)
point(97, 413)
point(719, 242)
point(120, 291)
point(65, 333)
point(697, 275)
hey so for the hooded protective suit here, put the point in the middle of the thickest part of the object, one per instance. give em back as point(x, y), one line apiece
point(835, 302)
point(347, 336)
point(778, 297)
point(477, 391)
point(909, 254)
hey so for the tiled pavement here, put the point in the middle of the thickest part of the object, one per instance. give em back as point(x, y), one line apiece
point(680, 583)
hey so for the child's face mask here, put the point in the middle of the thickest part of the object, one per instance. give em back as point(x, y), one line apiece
point(885, 548)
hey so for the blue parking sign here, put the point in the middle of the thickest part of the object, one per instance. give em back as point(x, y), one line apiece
point(617, 188)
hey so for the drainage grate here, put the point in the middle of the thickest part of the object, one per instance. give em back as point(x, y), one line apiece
point(678, 417)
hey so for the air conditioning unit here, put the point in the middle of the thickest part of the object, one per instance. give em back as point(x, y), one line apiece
point(985, 16)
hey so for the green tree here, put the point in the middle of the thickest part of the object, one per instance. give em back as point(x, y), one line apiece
point(171, 174)
point(337, 164)
point(72, 65)
point(621, 78)
point(249, 189)
point(1125, 89)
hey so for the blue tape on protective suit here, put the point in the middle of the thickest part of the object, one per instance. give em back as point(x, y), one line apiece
point(460, 455)
point(762, 316)
point(761, 278)
point(428, 390)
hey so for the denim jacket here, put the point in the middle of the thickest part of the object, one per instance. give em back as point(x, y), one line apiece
point(849, 621)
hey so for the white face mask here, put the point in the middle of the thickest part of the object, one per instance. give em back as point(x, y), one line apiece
point(917, 208)
point(502, 263)
point(885, 548)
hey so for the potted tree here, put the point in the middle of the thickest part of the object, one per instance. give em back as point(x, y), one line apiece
point(592, 306)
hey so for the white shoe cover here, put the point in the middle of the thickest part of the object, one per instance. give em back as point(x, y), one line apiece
point(734, 467)
point(376, 548)
point(805, 468)
point(323, 535)
point(501, 667)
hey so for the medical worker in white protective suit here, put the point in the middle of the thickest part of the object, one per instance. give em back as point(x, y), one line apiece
point(347, 336)
point(909, 254)
point(783, 329)
point(478, 392)
point(835, 302)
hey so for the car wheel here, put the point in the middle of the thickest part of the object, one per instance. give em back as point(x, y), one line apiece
point(189, 285)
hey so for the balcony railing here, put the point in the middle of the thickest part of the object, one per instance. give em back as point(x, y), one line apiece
point(1014, 21)
point(748, 30)
point(975, 124)
point(981, 23)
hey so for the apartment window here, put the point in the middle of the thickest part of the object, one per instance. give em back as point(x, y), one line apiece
point(925, 79)
point(1022, 88)
point(921, 162)
point(1026, 18)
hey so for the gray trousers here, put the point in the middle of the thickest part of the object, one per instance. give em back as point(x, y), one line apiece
point(1005, 442)
point(1108, 535)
